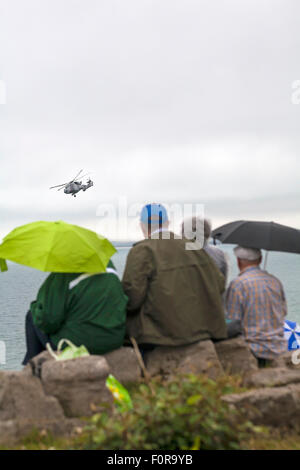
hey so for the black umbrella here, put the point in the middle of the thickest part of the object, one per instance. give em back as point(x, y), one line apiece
point(264, 235)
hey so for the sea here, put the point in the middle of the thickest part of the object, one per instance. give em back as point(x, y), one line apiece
point(19, 286)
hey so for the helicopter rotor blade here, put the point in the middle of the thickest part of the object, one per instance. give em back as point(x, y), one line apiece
point(86, 174)
point(57, 186)
point(61, 186)
point(76, 176)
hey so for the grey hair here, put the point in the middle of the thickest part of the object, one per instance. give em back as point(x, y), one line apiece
point(245, 253)
point(190, 225)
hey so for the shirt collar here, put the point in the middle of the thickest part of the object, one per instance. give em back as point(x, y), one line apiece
point(249, 268)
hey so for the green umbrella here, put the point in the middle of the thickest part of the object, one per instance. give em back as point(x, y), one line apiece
point(56, 247)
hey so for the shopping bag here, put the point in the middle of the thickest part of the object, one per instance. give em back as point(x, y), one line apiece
point(70, 352)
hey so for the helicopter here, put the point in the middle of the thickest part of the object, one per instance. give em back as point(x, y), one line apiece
point(73, 186)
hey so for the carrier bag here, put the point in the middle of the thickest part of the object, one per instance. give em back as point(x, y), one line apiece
point(70, 352)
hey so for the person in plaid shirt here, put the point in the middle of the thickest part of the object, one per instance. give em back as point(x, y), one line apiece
point(257, 299)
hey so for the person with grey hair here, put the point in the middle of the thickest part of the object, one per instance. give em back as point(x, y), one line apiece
point(257, 299)
point(198, 230)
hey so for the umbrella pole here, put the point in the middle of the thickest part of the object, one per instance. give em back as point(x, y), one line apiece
point(266, 259)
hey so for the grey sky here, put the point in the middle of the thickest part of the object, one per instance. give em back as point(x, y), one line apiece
point(162, 100)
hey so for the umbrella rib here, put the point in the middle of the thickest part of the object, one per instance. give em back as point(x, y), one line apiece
point(54, 235)
point(82, 239)
point(49, 251)
point(235, 228)
point(89, 245)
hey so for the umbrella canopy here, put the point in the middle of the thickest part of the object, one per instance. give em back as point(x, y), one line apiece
point(264, 235)
point(56, 247)
point(292, 334)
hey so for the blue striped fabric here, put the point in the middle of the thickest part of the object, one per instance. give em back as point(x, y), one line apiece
point(257, 299)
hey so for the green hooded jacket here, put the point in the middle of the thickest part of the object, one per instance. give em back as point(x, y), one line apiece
point(174, 293)
point(86, 309)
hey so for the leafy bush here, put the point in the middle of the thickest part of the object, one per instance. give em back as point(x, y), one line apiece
point(185, 412)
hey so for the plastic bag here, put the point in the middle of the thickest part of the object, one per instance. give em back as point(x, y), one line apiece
point(121, 396)
point(70, 352)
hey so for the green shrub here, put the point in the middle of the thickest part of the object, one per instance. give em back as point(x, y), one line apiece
point(183, 413)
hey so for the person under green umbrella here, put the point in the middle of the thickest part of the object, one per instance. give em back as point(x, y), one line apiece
point(88, 309)
point(82, 300)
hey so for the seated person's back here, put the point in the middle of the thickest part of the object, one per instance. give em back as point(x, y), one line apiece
point(174, 293)
point(86, 309)
point(257, 299)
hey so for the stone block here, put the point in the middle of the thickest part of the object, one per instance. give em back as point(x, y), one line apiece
point(78, 384)
point(198, 358)
point(124, 365)
point(24, 406)
point(272, 377)
point(235, 356)
point(278, 406)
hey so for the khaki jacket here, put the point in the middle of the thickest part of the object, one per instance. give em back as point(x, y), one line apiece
point(174, 294)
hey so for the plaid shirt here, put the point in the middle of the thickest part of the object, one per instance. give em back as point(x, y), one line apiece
point(257, 299)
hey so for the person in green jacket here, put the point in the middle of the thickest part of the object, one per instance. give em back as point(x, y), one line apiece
point(88, 309)
point(175, 294)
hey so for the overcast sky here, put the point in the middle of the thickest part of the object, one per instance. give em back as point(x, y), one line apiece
point(173, 101)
